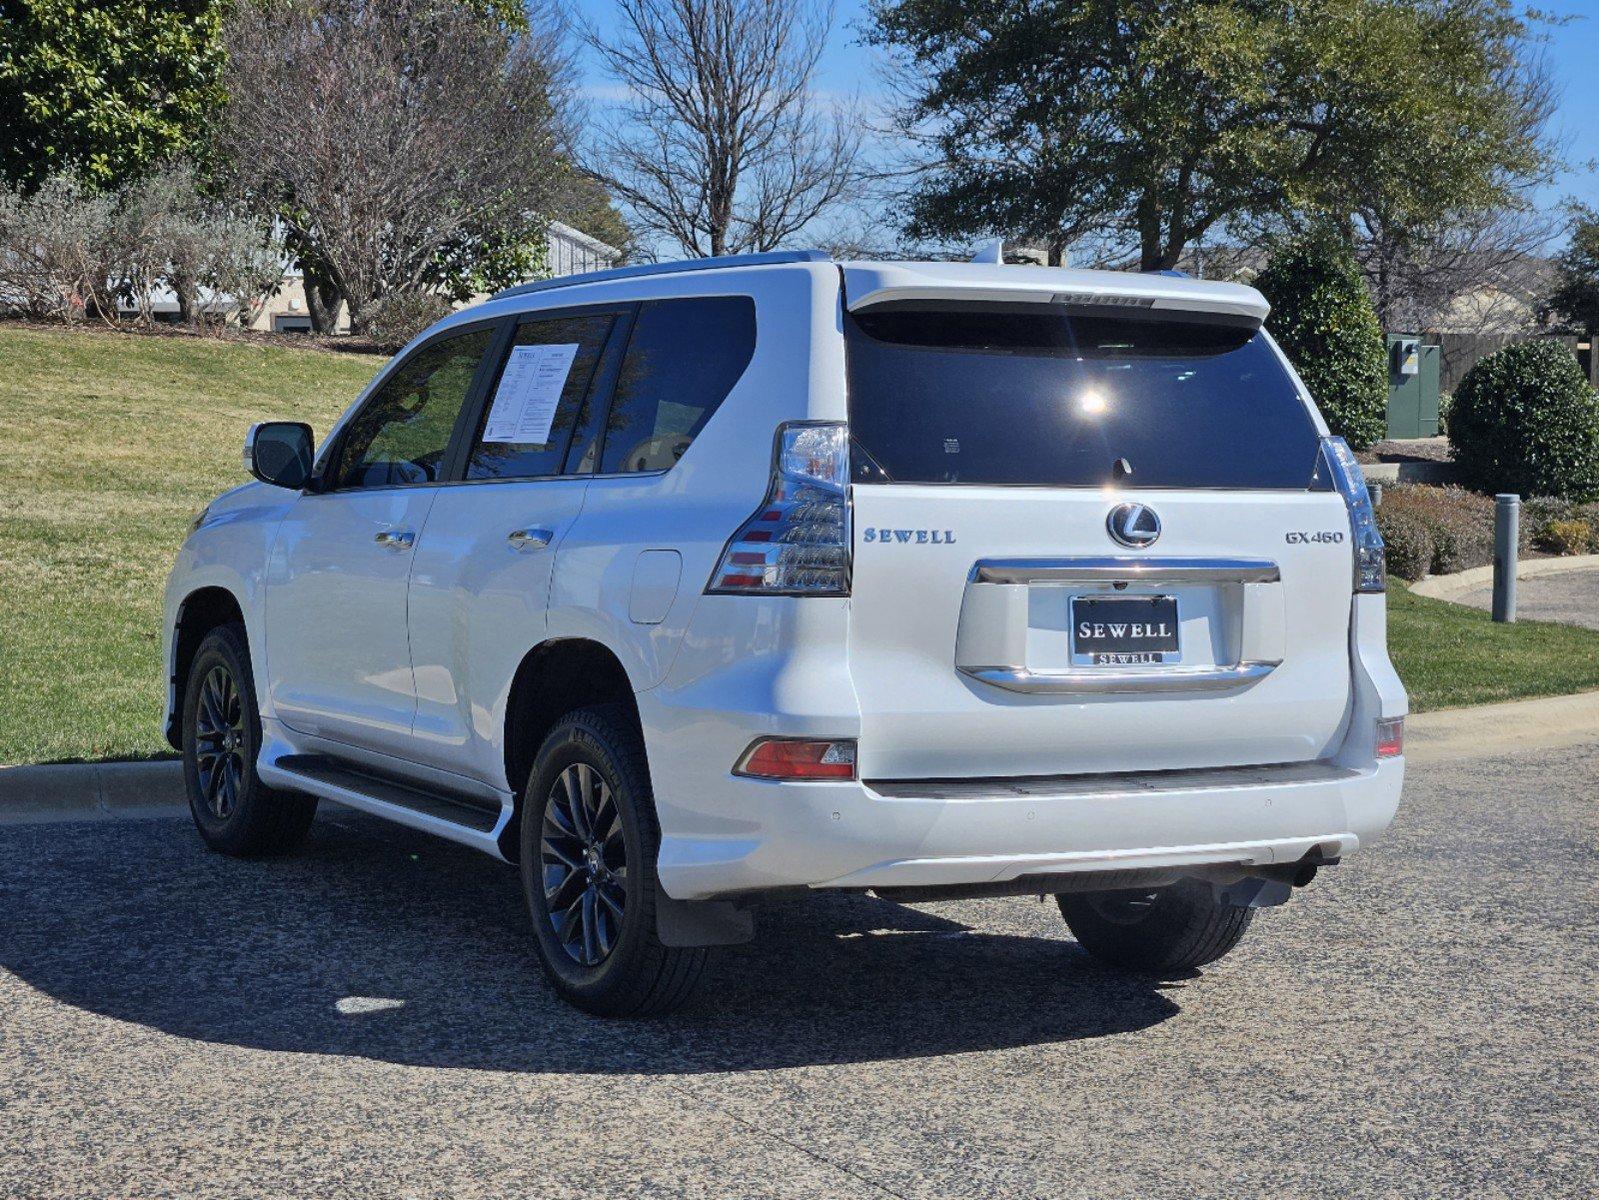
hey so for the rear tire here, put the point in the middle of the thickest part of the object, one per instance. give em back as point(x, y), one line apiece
point(234, 811)
point(589, 840)
point(1163, 931)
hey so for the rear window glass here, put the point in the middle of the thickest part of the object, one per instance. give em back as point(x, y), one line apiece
point(684, 358)
point(1053, 396)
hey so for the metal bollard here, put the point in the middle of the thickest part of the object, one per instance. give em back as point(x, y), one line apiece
point(1507, 530)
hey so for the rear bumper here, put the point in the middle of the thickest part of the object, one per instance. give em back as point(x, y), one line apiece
point(856, 835)
point(784, 675)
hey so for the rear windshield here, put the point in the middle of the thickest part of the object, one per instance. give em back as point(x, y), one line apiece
point(1062, 397)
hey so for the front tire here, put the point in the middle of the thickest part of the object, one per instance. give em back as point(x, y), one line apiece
point(1161, 931)
point(589, 839)
point(234, 811)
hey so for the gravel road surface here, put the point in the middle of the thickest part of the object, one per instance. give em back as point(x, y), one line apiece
point(365, 1019)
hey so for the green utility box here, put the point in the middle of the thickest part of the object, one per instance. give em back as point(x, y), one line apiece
point(1412, 387)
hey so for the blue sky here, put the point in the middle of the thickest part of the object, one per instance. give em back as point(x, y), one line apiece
point(1573, 51)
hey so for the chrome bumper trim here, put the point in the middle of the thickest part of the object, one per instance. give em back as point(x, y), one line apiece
point(1100, 681)
point(1127, 568)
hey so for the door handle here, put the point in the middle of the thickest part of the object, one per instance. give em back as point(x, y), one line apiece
point(396, 539)
point(529, 539)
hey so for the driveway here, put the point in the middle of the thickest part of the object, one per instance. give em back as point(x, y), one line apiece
point(366, 1019)
point(1571, 597)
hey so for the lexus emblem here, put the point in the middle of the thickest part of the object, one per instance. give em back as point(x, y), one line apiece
point(1134, 525)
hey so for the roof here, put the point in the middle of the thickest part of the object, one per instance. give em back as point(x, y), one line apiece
point(871, 283)
point(641, 270)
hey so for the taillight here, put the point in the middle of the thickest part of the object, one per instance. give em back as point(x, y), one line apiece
point(797, 543)
point(1371, 568)
point(798, 758)
point(1390, 737)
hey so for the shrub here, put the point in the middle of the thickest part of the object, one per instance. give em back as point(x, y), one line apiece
point(400, 316)
point(1458, 526)
point(67, 249)
point(1565, 537)
point(57, 249)
point(1459, 542)
point(1525, 420)
point(1409, 542)
point(173, 235)
point(1323, 319)
point(1539, 511)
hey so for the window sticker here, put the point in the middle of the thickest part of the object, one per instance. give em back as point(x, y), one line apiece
point(529, 393)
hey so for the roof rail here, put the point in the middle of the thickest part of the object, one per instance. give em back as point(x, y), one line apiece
point(642, 270)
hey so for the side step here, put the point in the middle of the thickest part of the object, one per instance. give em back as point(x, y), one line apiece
point(470, 820)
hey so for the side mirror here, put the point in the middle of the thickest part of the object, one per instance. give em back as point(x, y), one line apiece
point(279, 453)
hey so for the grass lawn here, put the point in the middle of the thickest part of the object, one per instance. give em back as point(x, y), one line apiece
point(109, 444)
point(1449, 655)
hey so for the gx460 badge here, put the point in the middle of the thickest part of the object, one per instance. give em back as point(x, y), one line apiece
point(1300, 537)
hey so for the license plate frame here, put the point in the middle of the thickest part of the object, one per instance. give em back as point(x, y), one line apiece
point(1102, 648)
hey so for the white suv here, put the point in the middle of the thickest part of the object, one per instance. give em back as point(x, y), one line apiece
point(684, 585)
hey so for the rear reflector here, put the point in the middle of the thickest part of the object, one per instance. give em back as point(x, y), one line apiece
point(792, 758)
point(1390, 737)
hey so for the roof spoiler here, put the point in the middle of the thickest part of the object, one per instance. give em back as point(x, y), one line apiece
point(868, 285)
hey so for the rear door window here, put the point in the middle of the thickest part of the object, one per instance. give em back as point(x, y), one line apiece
point(683, 359)
point(539, 396)
point(1048, 395)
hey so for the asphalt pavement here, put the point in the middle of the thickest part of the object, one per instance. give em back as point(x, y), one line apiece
point(1572, 598)
point(365, 1019)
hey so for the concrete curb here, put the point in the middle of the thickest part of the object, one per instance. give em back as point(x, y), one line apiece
point(1409, 472)
point(1547, 723)
point(78, 791)
point(1447, 587)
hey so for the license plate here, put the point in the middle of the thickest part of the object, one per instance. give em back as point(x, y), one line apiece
point(1118, 631)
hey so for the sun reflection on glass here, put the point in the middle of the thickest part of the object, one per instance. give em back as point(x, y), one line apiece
point(1092, 403)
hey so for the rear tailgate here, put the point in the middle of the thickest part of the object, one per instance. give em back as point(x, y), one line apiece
point(938, 652)
point(1090, 534)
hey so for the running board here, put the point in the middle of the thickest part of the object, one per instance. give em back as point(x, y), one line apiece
point(468, 820)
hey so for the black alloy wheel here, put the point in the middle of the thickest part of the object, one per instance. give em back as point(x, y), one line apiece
point(584, 860)
point(219, 742)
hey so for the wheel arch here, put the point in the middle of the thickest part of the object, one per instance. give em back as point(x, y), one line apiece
point(201, 611)
point(554, 678)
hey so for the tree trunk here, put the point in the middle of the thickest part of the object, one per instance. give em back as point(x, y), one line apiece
point(1151, 252)
point(184, 290)
point(1057, 253)
point(322, 299)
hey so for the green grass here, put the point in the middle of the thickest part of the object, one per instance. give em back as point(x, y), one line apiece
point(1450, 656)
point(109, 444)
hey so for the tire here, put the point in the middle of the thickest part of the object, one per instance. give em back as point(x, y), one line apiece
point(234, 811)
point(1170, 930)
point(589, 840)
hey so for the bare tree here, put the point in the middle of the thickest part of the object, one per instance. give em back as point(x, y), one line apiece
point(1481, 272)
point(720, 145)
point(401, 142)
